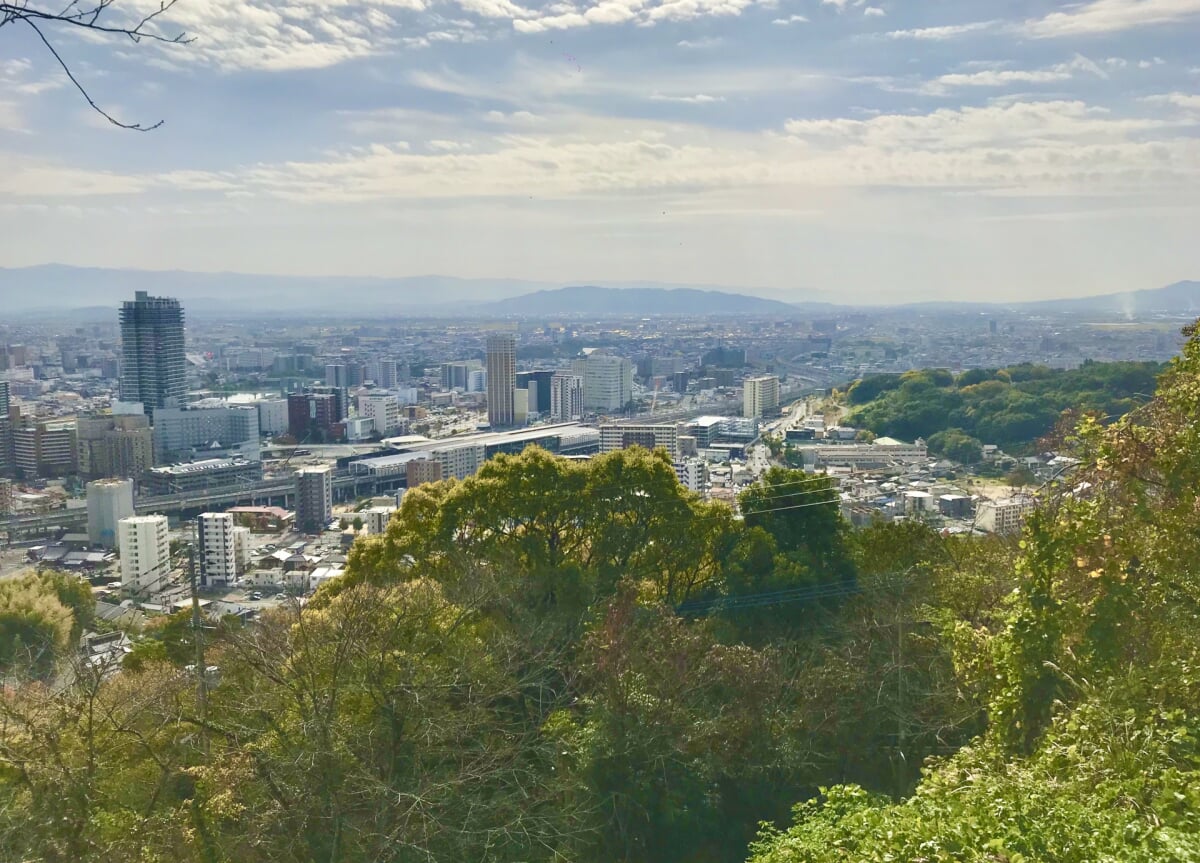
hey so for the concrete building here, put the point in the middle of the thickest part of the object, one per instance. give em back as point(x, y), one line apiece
point(477, 381)
point(501, 379)
point(615, 436)
point(460, 461)
point(420, 471)
point(6, 441)
point(206, 431)
point(152, 356)
point(760, 396)
point(114, 445)
point(383, 409)
point(215, 549)
point(44, 449)
point(145, 552)
point(537, 383)
point(376, 518)
point(693, 474)
point(314, 498)
point(6, 496)
point(607, 382)
point(272, 416)
point(241, 547)
point(389, 375)
point(108, 501)
point(566, 397)
point(457, 375)
point(312, 416)
point(1004, 516)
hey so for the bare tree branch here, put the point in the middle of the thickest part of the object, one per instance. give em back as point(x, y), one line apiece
point(87, 16)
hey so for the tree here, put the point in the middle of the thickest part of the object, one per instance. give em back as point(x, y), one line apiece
point(90, 16)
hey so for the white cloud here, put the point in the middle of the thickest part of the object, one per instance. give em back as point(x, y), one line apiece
point(1190, 101)
point(698, 99)
point(1107, 16)
point(706, 42)
point(938, 34)
point(1005, 77)
point(874, 12)
point(791, 19)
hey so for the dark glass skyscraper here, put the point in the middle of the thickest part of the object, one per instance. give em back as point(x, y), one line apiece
point(152, 360)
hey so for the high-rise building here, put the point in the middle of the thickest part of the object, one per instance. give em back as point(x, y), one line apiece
point(607, 382)
point(44, 449)
point(6, 441)
point(312, 416)
point(420, 471)
point(272, 416)
point(108, 501)
point(501, 379)
point(145, 552)
point(538, 384)
point(566, 397)
point(760, 396)
point(114, 445)
point(383, 409)
point(6, 496)
point(314, 498)
point(389, 375)
point(615, 436)
point(216, 549)
point(152, 358)
point(457, 375)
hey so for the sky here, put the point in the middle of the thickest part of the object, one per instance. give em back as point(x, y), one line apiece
point(874, 150)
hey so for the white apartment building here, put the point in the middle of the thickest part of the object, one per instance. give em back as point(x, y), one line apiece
point(376, 518)
point(607, 382)
point(693, 474)
point(216, 549)
point(241, 549)
point(108, 501)
point(145, 552)
point(615, 436)
point(383, 408)
point(1004, 516)
point(460, 462)
point(760, 396)
point(272, 416)
point(566, 397)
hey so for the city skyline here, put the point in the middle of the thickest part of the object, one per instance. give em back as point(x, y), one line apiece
point(879, 151)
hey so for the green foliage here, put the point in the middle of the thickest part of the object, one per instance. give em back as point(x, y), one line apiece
point(870, 388)
point(956, 445)
point(42, 616)
point(1011, 407)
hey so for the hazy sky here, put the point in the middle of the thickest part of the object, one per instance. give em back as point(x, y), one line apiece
point(874, 149)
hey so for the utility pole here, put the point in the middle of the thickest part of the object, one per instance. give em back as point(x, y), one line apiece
point(197, 639)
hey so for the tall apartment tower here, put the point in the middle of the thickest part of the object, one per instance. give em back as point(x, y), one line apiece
point(145, 552)
point(389, 375)
point(501, 379)
point(314, 498)
point(152, 360)
point(566, 397)
point(6, 440)
point(108, 501)
point(760, 396)
point(216, 548)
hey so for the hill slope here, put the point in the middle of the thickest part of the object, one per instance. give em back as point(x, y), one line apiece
point(591, 300)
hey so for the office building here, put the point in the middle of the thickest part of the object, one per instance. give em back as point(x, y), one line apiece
point(145, 553)
point(337, 375)
point(566, 397)
point(420, 471)
point(216, 549)
point(383, 409)
point(152, 358)
point(615, 436)
point(760, 396)
point(521, 400)
point(477, 381)
point(6, 496)
point(312, 417)
point(206, 431)
point(114, 445)
point(213, 473)
point(389, 375)
point(272, 416)
point(341, 400)
point(607, 382)
point(314, 498)
point(501, 379)
point(537, 383)
point(44, 449)
point(457, 375)
point(108, 501)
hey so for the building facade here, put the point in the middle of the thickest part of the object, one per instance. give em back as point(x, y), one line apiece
point(114, 446)
point(616, 436)
point(607, 382)
point(566, 397)
point(760, 396)
point(152, 356)
point(272, 416)
point(218, 431)
point(202, 475)
point(44, 449)
point(383, 409)
point(501, 379)
point(314, 498)
point(216, 549)
point(145, 552)
point(108, 501)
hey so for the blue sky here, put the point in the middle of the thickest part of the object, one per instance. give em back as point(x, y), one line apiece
point(873, 149)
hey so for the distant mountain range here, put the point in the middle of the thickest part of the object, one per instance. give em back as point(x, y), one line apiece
point(94, 293)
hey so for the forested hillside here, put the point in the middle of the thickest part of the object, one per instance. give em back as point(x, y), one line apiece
point(561, 661)
point(1010, 407)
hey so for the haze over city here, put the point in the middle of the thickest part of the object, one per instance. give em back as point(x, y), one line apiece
point(881, 152)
